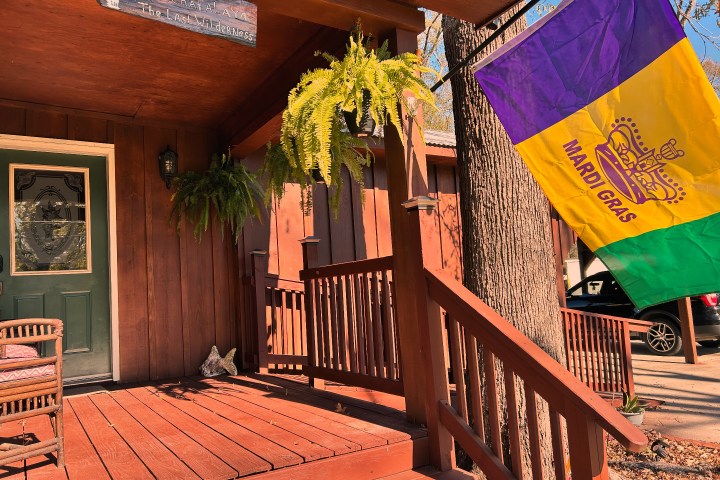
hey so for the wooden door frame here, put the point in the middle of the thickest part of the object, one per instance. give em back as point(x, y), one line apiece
point(74, 147)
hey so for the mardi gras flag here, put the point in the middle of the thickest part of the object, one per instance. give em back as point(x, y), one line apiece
point(609, 107)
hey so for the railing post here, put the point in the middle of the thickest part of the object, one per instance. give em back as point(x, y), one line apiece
point(586, 440)
point(259, 269)
point(687, 330)
point(627, 372)
point(423, 244)
point(311, 259)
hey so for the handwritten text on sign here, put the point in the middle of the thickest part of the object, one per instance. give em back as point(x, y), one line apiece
point(235, 20)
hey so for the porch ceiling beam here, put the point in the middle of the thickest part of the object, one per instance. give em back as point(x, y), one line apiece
point(258, 118)
point(378, 16)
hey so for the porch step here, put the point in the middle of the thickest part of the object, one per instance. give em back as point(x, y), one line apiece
point(425, 473)
point(369, 464)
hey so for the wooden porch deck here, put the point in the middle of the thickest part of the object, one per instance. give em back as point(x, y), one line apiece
point(231, 427)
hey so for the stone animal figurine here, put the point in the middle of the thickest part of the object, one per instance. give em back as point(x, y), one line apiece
point(217, 365)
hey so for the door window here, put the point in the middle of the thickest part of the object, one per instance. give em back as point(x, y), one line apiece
point(50, 217)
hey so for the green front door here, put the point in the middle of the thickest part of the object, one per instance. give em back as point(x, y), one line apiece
point(54, 248)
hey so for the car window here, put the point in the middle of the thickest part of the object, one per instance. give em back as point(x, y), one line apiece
point(587, 287)
point(594, 287)
point(612, 288)
point(577, 292)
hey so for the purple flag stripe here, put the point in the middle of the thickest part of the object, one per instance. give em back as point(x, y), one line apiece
point(585, 50)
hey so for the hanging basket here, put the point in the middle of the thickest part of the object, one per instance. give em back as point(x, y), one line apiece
point(366, 128)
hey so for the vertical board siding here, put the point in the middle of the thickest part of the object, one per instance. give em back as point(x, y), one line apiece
point(132, 253)
point(46, 124)
point(163, 264)
point(177, 298)
point(196, 261)
point(290, 227)
point(12, 120)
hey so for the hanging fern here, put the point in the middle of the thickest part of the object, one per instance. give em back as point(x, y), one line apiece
point(314, 136)
point(230, 190)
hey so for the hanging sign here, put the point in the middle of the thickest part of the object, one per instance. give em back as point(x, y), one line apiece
point(234, 20)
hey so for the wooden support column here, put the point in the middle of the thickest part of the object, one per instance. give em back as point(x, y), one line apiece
point(259, 269)
point(423, 244)
point(407, 178)
point(687, 330)
point(311, 259)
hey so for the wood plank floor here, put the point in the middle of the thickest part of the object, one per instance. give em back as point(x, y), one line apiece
point(223, 428)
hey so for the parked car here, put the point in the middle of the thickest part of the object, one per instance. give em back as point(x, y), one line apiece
point(601, 293)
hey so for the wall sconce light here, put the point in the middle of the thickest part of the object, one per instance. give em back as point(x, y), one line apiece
point(168, 163)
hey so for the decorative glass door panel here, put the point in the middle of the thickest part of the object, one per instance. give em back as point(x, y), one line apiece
point(50, 220)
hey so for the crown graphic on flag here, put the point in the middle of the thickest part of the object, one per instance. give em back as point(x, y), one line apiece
point(636, 170)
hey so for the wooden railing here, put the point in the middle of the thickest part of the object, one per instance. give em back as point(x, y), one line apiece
point(598, 349)
point(352, 332)
point(503, 362)
point(280, 316)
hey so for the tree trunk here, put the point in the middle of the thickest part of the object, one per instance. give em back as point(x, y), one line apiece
point(507, 243)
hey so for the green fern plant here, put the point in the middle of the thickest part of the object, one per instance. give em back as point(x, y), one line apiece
point(314, 137)
point(229, 190)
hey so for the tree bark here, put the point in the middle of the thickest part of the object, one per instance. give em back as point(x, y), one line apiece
point(507, 244)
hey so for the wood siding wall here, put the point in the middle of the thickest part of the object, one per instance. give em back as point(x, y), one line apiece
point(176, 297)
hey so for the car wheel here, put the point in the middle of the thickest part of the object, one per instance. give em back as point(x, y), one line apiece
point(663, 338)
point(710, 343)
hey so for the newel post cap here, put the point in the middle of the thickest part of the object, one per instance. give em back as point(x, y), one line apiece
point(310, 240)
point(420, 203)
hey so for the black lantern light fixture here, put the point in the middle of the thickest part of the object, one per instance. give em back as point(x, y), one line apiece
point(168, 163)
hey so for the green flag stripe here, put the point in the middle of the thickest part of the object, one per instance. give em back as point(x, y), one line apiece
point(672, 262)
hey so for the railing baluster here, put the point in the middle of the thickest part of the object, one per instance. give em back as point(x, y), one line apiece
point(558, 446)
point(320, 321)
point(303, 328)
point(297, 323)
point(457, 367)
point(360, 325)
point(327, 335)
point(533, 432)
point(617, 339)
point(351, 315)
point(597, 370)
point(388, 324)
point(282, 325)
point(273, 322)
point(476, 405)
point(607, 373)
point(493, 406)
point(369, 343)
point(377, 327)
point(586, 348)
point(334, 331)
point(342, 328)
point(513, 422)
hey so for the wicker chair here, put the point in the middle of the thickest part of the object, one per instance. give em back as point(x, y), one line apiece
point(31, 385)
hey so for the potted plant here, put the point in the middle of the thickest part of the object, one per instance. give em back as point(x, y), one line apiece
point(229, 189)
point(360, 91)
point(632, 409)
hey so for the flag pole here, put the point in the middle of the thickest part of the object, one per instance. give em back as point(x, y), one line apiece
point(464, 62)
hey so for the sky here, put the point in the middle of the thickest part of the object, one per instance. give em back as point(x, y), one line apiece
point(707, 26)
